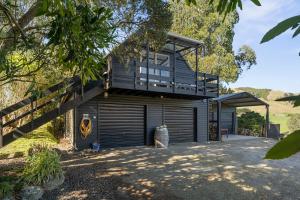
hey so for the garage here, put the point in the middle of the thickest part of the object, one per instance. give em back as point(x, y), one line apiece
point(180, 123)
point(120, 125)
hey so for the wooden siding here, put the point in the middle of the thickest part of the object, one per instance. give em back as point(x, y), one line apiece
point(152, 116)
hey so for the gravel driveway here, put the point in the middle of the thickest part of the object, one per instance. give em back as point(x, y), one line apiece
point(228, 170)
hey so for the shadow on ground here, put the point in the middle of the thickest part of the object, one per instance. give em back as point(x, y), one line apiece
point(231, 170)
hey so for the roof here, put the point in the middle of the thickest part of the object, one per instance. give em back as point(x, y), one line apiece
point(240, 99)
point(190, 41)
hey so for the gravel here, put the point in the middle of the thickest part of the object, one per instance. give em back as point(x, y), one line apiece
point(228, 170)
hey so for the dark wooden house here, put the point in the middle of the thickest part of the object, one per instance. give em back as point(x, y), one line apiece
point(158, 88)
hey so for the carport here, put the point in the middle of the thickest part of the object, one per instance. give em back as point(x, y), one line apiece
point(242, 99)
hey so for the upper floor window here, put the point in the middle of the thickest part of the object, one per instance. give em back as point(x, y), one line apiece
point(156, 59)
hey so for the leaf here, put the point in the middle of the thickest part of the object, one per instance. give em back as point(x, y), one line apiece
point(296, 32)
point(286, 147)
point(294, 99)
point(280, 28)
point(256, 2)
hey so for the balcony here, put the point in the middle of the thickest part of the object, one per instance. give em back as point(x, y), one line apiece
point(166, 72)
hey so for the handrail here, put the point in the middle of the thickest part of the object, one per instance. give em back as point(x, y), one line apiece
point(30, 99)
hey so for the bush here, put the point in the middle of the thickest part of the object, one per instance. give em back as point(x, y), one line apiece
point(286, 147)
point(252, 121)
point(6, 189)
point(42, 167)
point(294, 122)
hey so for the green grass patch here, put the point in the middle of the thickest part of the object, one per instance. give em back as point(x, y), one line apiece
point(281, 119)
point(19, 147)
point(286, 147)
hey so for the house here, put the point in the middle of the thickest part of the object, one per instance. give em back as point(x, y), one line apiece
point(133, 99)
point(157, 88)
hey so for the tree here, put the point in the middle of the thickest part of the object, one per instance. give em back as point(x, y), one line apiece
point(203, 22)
point(73, 36)
point(252, 121)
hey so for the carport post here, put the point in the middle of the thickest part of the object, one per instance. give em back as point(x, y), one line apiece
point(1, 130)
point(219, 108)
point(267, 120)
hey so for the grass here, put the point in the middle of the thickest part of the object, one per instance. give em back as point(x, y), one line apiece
point(286, 147)
point(281, 119)
point(19, 147)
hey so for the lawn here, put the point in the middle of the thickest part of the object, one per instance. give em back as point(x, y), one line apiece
point(20, 146)
point(281, 119)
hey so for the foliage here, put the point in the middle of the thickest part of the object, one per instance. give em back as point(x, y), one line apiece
point(225, 90)
point(286, 147)
point(252, 121)
point(294, 122)
point(6, 189)
point(71, 36)
point(290, 23)
point(294, 99)
point(225, 6)
point(23, 144)
point(203, 22)
point(42, 167)
point(260, 93)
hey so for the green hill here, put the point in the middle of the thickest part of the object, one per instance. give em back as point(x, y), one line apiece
point(280, 112)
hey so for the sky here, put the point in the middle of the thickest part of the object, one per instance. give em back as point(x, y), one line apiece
point(278, 61)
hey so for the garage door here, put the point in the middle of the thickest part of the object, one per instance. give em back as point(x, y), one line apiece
point(120, 125)
point(180, 124)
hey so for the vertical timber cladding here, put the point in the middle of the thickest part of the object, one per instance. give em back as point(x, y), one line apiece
point(120, 124)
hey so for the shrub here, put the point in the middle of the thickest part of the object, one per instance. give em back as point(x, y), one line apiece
point(286, 147)
point(6, 189)
point(252, 121)
point(42, 167)
point(294, 122)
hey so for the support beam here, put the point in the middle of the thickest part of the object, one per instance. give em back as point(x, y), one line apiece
point(174, 67)
point(267, 120)
point(219, 111)
point(147, 64)
point(1, 130)
point(196, 73)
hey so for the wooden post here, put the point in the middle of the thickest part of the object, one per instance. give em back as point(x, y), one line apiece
point(196, 73)
point(267, 120)
point(147, 65)
point(219, 111)
point(174, 67)
point(1, 129)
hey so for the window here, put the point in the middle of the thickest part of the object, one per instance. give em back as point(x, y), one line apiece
point(165, 73)
point(156, 59)
point(163, 60)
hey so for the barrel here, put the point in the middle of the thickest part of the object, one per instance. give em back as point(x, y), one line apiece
point(161, 137)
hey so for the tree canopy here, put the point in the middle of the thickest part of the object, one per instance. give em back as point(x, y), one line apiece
point(72, 36)
point(202, 21)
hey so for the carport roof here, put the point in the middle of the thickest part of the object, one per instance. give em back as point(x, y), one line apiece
point(240, 99)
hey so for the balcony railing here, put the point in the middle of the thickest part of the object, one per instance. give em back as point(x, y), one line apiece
point(205, 85)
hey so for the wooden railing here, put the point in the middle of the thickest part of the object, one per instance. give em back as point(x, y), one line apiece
point(205, 85)
point(28, 109)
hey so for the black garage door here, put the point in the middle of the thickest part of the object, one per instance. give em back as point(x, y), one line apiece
point(179, 121)
point(120, 125)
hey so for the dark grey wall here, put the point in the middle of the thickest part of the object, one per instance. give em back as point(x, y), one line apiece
point(154, 117)
point(226, 118)
point(123, 74)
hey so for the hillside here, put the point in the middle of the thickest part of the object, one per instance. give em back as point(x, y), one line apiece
point(280, 112)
